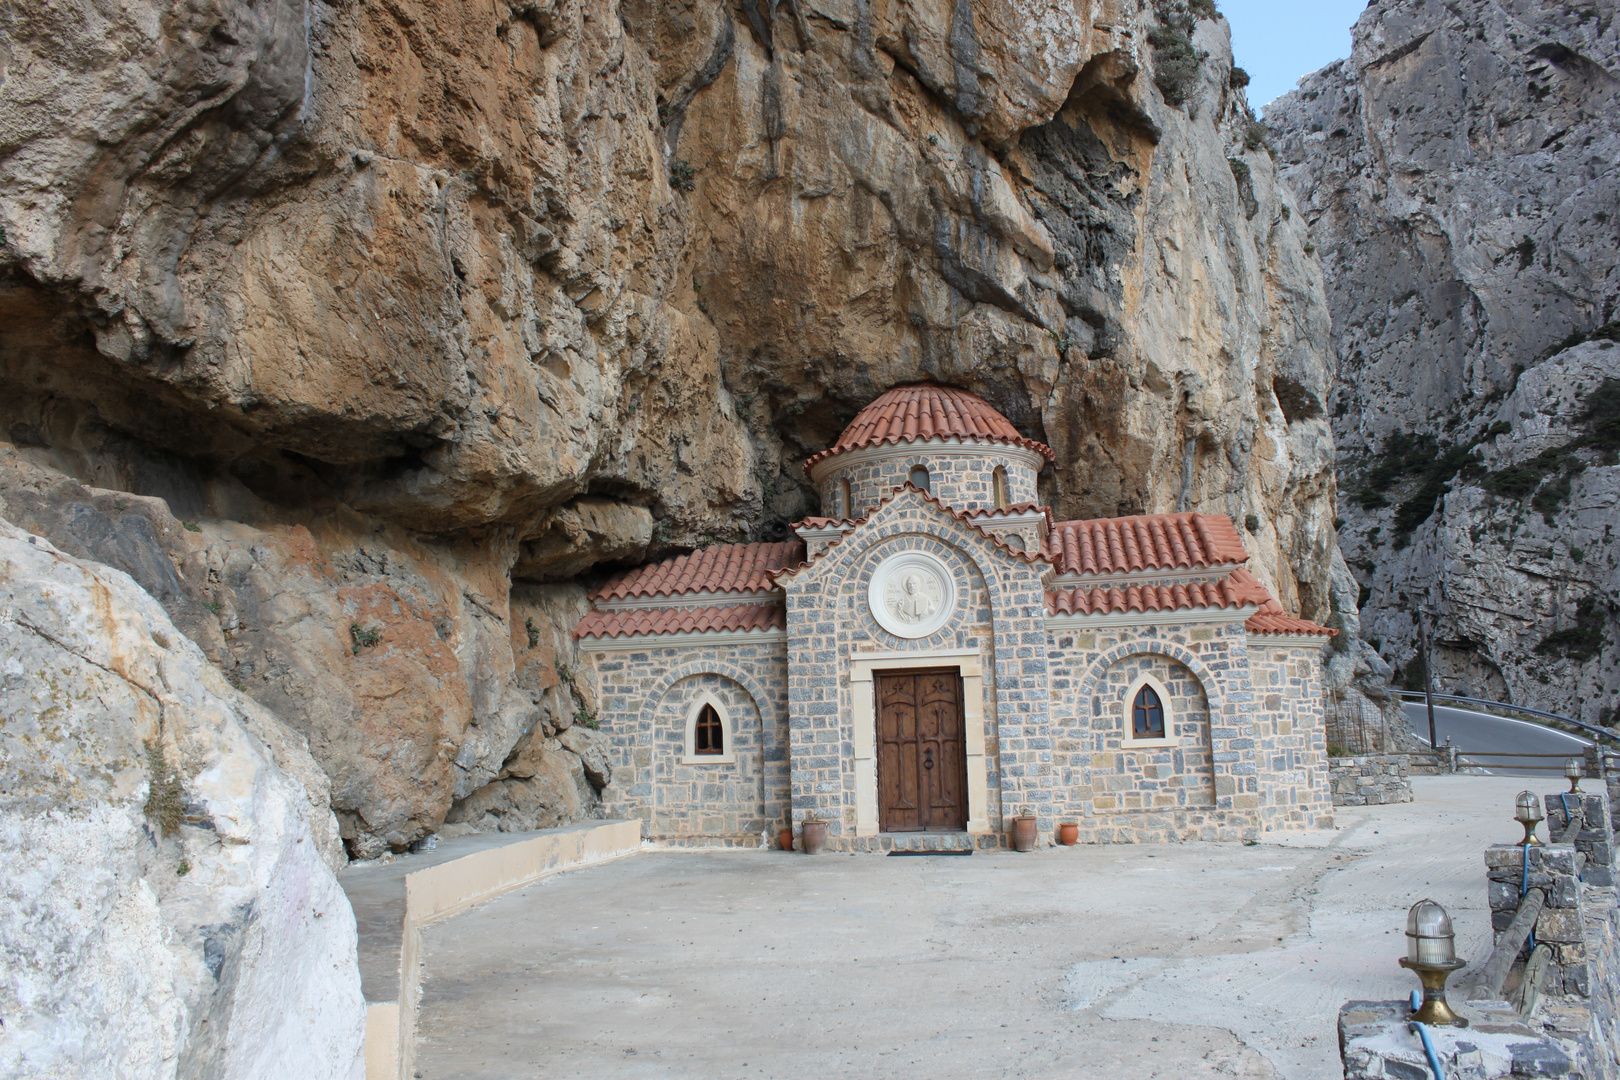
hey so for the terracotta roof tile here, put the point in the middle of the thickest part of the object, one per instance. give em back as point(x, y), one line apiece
point(1271, 618)
point(722, 568)
point(1237, 590)
point(827, 523)
point(927, 411)
point(1145, 542)
point(638, 621)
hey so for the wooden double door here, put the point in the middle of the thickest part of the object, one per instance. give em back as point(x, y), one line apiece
point(922, 761)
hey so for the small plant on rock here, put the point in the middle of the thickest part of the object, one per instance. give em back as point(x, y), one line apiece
point(532, 631)
point(682, 176)
point(364, 637)
point(165, 792)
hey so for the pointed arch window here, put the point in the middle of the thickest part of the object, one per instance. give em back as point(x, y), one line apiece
point(998, 484)
point(919, 477)
point(1147, 714)
point(708, 734)
point(709, 738)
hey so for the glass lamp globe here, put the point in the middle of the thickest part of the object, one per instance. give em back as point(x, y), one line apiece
point(1527, 812)
point(1429, 937)
point(1574, 769)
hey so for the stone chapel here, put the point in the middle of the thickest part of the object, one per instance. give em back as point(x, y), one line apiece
point(939, 655)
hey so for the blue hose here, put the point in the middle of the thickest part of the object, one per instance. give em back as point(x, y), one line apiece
point(1524, 887)
point(1428, 1046)
point(1563, 797)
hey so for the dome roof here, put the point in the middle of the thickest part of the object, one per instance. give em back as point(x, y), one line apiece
point(927, 411)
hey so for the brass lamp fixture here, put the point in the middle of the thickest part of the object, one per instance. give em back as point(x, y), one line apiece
point(1527, 812)
point(1431, 951)
point(1574, 769)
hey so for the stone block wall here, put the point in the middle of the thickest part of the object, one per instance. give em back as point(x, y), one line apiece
point(1370, 780)
point(1000, 606)
point(1291, 734)
point(957, 476)
point(1266, 750)
point(1556, 870)
point(1163, 792)
point(645, 698)
point(1594, 839)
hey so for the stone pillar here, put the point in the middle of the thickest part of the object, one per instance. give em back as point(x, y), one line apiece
point(1596, 837)
point(1556, 870)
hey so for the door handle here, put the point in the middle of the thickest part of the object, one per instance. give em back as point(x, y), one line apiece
point(928, 759)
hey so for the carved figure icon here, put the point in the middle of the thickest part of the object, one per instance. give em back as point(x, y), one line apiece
point(914, 604)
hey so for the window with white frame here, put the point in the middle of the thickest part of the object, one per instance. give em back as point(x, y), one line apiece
point(1148, 720)
point(708, 733)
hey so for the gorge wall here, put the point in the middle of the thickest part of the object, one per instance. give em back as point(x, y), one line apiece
point(366, 337)
point(1458, 175)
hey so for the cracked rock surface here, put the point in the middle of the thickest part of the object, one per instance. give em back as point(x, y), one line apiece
point(1457, 175)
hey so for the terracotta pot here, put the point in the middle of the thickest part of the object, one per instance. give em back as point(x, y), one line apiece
point(813, 835)
point(1023, 834)
point(784, 839)
point(1068, 833)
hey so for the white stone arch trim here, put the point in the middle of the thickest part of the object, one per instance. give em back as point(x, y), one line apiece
point(1165, 704)
point(1189, 660)
point(689, 754)
point(756, 692)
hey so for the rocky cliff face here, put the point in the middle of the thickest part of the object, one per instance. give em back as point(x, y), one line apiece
point(1457, 172)
point(334, 321)
point(168, 906)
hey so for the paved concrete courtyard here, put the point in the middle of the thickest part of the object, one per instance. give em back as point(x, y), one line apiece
point(1163, 960)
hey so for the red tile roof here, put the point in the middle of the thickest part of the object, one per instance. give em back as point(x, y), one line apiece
point(722, 568)
point(1237, 590)
point(927, 411)
point(826, 523)
point(1271, 619)
point(606, 624)
point(1145, 542)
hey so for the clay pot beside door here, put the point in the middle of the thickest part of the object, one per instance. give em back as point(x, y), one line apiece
point(1023, 833)
point(1068, 833)
point(813, 835)
point(784, 838)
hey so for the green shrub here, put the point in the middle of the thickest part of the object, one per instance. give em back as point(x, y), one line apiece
point(1252, 523)
point(363, 637)
point(1256, 136)
point(165, 791)
point(1584, 640)
point(1238, 79)
point(1176, 63)
point(682, 176)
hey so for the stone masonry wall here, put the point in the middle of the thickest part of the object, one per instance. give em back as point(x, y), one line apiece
point(645, 698)
point(957, 479)
point(1000, 603)
point(1172, 786)
point(1267, 750)
point(1370, 780)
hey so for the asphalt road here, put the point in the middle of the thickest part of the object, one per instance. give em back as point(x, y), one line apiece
point(1482, 733)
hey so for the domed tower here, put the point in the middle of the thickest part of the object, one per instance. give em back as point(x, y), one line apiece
point(946, 441)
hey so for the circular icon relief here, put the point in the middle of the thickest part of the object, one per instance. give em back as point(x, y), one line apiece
point(912, 594)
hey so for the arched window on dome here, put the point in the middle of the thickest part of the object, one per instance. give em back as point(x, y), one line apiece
point(998, 485)
point(919, 477)
point(846, 503)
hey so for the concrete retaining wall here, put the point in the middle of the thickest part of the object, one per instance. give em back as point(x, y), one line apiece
point(393, 902)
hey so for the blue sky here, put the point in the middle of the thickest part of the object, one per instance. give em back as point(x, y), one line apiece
point(1277, 41)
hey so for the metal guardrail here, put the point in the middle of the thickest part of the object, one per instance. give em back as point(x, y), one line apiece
point(1590, 729)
